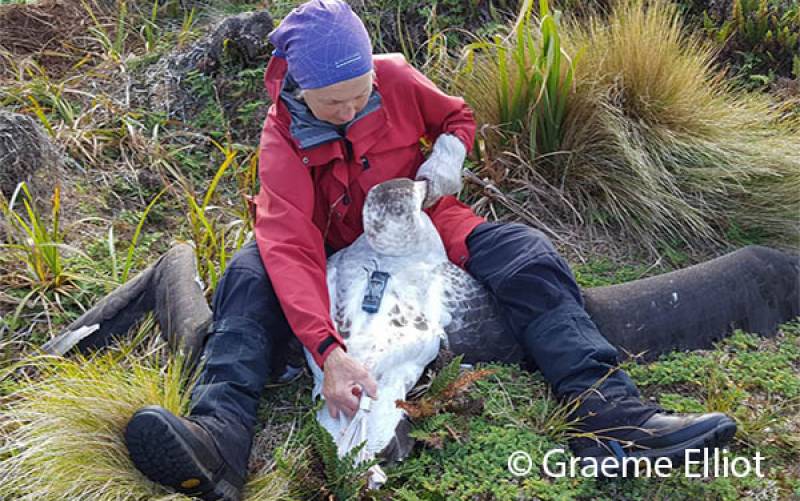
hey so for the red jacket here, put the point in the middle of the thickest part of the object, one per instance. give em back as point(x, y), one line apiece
point(311, 197)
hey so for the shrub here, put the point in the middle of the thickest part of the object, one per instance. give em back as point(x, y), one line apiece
point(761, 37)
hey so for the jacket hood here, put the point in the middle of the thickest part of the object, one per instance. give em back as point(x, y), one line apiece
point(274, 76)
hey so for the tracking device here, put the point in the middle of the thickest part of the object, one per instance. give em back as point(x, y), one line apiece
point(374, 294)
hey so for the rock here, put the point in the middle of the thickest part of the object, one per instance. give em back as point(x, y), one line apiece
point(787, 88)
point(27, 154)
point(206, 78)
point(239, 39)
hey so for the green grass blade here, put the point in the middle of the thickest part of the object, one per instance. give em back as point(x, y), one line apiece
point(129, 259)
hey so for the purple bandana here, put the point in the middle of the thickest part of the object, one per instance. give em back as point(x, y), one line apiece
point(323, 42)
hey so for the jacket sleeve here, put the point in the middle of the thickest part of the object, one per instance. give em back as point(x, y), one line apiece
point(291, 246)
point(442, 113)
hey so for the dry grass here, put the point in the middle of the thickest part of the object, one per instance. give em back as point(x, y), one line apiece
point(61, 432)
point(660, 142)
point(53, 33)
point(655, 142)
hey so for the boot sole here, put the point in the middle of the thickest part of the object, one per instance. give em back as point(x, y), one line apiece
point(721, 434)
point(162, 455)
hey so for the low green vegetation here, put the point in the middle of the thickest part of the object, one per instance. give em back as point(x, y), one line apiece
point(761, 37)
point(730, 379)
point(462, 450)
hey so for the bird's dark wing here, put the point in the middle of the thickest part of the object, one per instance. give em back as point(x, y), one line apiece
point(475, 329)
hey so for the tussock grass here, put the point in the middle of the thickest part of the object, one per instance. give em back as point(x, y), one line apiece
point(61, 433)
point(658, 141)
point(62, 430)
point(654, 140)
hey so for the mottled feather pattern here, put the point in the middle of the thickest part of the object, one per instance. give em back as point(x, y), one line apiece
point(475, 328)
point(426, 300)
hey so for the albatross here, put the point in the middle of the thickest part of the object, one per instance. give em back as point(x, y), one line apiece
point(396, 299)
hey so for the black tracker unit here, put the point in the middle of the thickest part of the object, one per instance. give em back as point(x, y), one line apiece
point(374, 294)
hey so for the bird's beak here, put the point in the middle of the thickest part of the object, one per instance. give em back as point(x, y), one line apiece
point(421, 189)
point(365, 403)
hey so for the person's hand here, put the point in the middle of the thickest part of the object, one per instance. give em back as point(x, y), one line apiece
point(343, 378)
point(442, 169)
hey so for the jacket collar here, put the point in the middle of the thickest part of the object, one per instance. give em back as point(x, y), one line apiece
point(320, 138)
point(308, 130)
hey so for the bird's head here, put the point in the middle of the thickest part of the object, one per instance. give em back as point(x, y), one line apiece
point(393, 219)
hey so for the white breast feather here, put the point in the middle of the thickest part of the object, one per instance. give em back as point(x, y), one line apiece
point(395, 343)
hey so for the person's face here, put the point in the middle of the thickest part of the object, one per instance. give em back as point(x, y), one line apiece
point(339, 103)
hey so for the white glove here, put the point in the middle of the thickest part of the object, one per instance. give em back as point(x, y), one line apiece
point(442, 169)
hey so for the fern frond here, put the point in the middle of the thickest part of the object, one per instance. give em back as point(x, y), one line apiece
point(447, 375)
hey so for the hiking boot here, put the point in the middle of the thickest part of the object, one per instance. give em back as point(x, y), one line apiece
point(169, 287)
point(180, 453)
point(661, 435)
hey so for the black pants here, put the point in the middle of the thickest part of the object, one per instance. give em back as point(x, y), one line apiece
point(248, 327)
point(539, 298)
point(542, 307)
